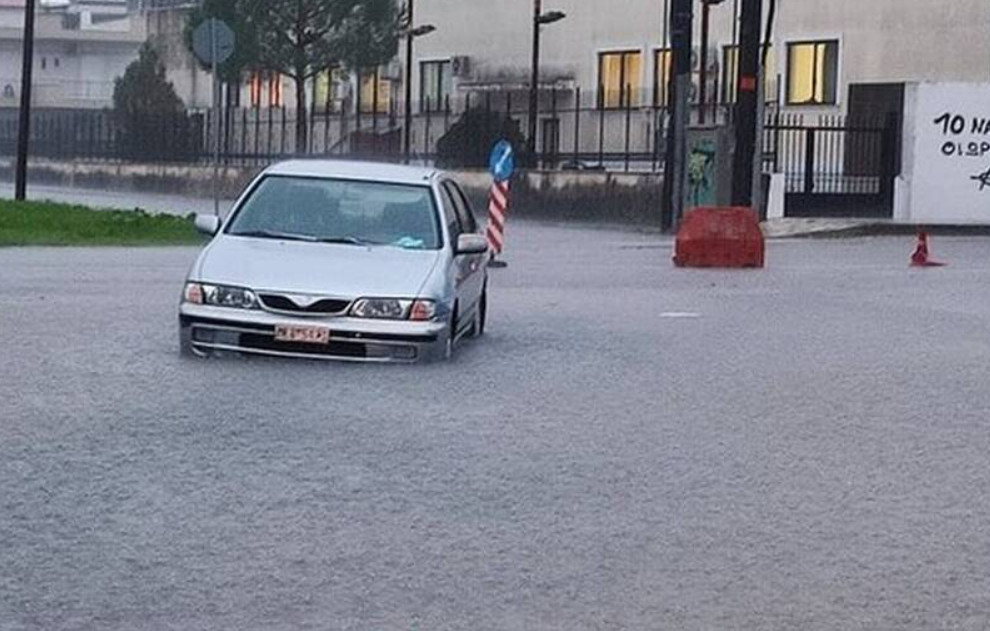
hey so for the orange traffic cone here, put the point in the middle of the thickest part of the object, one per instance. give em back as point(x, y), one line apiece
point(921, 256)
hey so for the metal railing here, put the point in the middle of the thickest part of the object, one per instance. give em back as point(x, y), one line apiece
point(576, 130)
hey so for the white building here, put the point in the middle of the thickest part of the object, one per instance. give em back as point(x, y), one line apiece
point(820, 50)
point(81, 46)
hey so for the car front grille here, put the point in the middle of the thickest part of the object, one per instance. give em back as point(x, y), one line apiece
point(325, 306)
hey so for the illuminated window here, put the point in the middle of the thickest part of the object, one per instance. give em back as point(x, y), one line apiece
point(435, 84)
point(812, 72)
point(619, 79)
point(276, 95)
point(730, 75)
point(329, 90)
point(376, 92)
point(661, 76)
point(254, 89)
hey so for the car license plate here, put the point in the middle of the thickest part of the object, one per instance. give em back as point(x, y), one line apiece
point(305, 334)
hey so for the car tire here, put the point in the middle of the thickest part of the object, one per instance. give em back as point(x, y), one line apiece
point(450, 342)
point(481, 317)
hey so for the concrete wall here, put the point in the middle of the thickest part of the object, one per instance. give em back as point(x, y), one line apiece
point(946, 166)
point(561, 196)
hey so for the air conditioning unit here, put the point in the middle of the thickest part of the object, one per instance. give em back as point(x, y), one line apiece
point(711, 84)
point(713, 64)
point(460, 66)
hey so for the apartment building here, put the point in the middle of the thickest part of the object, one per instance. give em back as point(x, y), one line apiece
point(81, 46)
point(821, 52)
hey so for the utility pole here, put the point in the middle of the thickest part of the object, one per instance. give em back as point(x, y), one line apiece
point(24, 124)
point(407, 131)
point(747, 103)
point(675, 163)
point(706, 16)
point(534, 79)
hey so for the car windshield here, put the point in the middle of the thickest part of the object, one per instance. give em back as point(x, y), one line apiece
point(339, 211)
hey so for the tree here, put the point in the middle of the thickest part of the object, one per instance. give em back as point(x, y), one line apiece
point(302, 38)
point(234, 15)
point(147, 110)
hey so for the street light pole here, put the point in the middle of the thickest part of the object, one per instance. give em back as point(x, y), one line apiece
point(539, 19)
point(24, 124)
point(534, 78)
point(407, 131)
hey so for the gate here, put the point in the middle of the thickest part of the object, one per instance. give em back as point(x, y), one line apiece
point(836, 167)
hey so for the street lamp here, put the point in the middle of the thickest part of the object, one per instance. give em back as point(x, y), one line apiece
point(540, 19)
point(411, 34)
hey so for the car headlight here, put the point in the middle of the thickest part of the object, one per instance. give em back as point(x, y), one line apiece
point(220, 296)
point(394, 309)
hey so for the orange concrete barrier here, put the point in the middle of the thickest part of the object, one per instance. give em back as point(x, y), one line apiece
point(720, 237)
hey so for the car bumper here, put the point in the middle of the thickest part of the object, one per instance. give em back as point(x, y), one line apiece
point(209, 329)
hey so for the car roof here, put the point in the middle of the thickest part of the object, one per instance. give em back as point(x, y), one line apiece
point(355, 170)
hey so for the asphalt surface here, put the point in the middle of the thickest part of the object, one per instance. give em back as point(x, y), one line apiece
point(631, 447)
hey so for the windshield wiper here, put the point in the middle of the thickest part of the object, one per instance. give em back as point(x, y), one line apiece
point(271, 234)
point(346, 241)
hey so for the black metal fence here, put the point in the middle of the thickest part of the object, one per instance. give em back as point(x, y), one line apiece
point(575, 130)
point(835, 164)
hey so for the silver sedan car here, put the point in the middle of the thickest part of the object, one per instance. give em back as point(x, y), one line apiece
point(339, 260)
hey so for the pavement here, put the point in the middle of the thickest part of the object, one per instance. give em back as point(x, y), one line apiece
point(632, 446)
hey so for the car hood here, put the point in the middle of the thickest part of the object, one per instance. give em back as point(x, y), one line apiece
point(316, 268)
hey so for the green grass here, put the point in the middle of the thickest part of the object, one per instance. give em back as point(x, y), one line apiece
point(47, 223)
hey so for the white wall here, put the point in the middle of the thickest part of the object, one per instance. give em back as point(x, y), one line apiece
point(947, 155)
point(880, 40)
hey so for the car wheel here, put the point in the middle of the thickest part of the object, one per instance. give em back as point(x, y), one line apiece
point(448, 348)
point(481, 318)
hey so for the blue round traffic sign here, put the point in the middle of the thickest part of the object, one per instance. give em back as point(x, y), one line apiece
point(502, 161)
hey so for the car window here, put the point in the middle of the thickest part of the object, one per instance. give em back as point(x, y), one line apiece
point(322, 209)
point(450, 213)
point(465, 216)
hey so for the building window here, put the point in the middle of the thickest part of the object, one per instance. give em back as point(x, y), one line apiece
point(276, 94)
point(812, 73)
point(254, 89)
point(44, 63)
point(435, 84)
point(375, 92)
point(330, 90)
point(662, 59)
point(730, 75)
point(619, 79)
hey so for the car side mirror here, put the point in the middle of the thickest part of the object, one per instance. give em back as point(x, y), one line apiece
point(207, 224)
point(471, 244)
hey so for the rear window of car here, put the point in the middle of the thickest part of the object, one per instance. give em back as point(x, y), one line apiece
point(323, 209)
